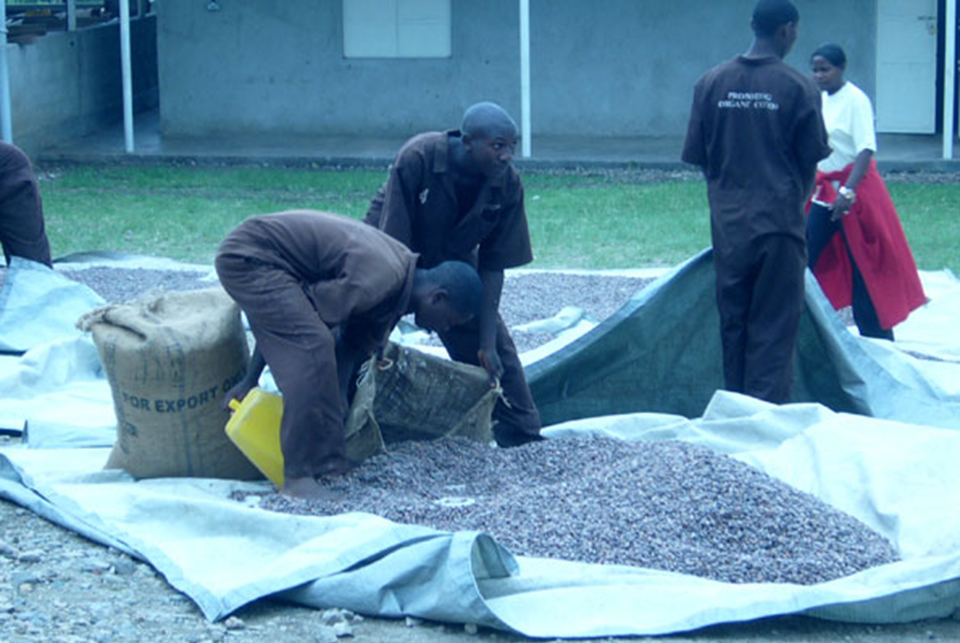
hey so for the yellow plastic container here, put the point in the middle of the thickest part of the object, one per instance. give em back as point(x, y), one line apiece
point(255, 428)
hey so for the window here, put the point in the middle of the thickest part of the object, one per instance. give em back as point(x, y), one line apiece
point(396, 28)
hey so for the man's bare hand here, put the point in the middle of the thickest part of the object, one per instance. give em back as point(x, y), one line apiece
point(841, 206)
point(490, 361)
point(237, 393)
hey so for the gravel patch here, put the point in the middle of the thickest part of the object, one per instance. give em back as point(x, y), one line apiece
point(530, 297)
point(665, 505)
point(526, 297)
point(619, 175)
point(124, 284)
point(922, 177)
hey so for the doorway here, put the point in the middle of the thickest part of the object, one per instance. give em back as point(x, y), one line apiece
point(907, 66)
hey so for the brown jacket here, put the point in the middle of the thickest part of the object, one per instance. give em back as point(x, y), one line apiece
point(356, 277)
point(757, 132)
point(419, 206)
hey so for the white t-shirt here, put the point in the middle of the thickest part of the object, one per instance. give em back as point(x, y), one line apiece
point(848, 117)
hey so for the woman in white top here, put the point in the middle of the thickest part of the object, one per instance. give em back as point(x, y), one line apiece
point(856, 245)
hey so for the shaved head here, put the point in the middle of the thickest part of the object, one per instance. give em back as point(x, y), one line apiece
point(770, 15)
point(485, 119)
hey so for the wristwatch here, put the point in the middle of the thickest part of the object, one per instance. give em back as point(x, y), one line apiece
point(847, 193)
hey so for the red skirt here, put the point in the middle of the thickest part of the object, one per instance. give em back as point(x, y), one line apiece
point(878, 245)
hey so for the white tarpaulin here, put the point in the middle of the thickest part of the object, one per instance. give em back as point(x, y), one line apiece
point(899, 478)
point(38, 304)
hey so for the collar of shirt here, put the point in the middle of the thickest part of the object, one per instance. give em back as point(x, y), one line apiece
point(758, 60)
point(404, 301)
point(442, 164)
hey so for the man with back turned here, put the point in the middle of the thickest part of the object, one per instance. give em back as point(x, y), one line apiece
point(757, 133)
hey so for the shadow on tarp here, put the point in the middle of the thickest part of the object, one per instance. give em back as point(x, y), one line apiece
point(661, 352)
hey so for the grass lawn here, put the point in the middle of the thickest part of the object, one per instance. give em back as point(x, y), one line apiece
point(576, 220)
point(931, 219)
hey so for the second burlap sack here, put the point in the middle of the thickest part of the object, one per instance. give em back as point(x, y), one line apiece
point(170, 358)
point(411, 395)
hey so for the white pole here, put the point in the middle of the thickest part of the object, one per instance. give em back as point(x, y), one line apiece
point(525, 78)
point(6, 126)
point(125, 70)
point(949, 78)
point(71, 15)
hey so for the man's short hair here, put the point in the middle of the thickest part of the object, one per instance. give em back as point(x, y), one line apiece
point(770, 15)
point(480, 118)
point(462, 284)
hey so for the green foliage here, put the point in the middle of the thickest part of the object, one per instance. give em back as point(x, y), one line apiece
point(183, 213)
point(929, 217)
point(576, 220)
point(616, 226)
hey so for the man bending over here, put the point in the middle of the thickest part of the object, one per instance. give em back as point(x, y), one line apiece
point(321, 293)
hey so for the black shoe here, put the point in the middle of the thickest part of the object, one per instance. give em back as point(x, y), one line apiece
point(508, 438)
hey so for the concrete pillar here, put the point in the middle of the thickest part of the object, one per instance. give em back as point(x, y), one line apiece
point(6, 127)
point(526, 141)
point(71, 15)
point(949, 78)
point(125, 70)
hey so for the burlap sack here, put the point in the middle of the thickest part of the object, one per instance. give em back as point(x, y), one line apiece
point(169, 359)
point(362, 431)
point(417, 396)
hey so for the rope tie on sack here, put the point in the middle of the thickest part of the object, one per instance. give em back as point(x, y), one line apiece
point(499, 390)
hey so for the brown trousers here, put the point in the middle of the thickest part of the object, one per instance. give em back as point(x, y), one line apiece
point(760, 299)
point(520, 415)
point(301, 353)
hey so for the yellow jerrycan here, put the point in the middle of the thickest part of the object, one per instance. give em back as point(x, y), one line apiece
point(254, 427)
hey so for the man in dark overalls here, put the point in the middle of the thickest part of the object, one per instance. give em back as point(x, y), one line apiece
point(22, 230)
point(456, 195)
point(757, 132)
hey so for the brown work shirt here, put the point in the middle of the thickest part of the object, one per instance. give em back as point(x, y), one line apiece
point(756, 130)
point(356, 277)
point(420, 206)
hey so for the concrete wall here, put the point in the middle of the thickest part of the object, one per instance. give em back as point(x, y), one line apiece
point(262, 67)
point(627, 67)
point(68, 84)
point(599, 68)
